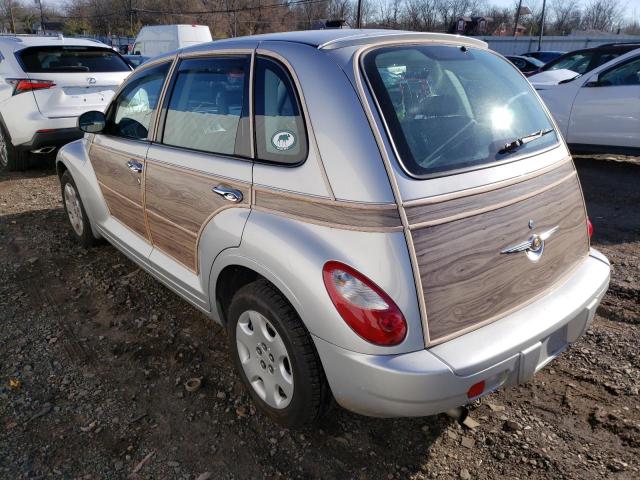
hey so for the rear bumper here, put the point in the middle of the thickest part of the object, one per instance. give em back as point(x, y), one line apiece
point(506, 352)
point(54, 138)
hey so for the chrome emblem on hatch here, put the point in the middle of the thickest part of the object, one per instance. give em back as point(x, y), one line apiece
point(91, 80)
point(534, 246)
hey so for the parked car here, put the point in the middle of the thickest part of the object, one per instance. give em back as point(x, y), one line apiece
point(527, 65)
point(394, 221)
point(585, 60)
point(158, 39)
point(599, 111)
point(45, 83)
point(135, 60)
point(545, 56)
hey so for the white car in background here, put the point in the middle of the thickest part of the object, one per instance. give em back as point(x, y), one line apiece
point(600, 110)
point(45, 84)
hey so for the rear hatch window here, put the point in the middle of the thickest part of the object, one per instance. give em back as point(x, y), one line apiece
point(56, 59)
point(451, 109)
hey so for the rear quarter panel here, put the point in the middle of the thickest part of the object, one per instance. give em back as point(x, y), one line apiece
point(291, 254)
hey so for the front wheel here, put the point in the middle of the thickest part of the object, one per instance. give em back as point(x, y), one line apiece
point(275, 356)
point(75, 211)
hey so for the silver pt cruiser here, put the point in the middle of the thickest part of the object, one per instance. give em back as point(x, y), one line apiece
point(390, 219)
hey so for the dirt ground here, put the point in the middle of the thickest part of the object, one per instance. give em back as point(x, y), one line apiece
point(94, 354)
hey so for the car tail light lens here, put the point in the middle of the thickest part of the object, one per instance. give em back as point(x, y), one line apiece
point(21, 85)
point(589, 227)
point(364, 306)
point(476, 390)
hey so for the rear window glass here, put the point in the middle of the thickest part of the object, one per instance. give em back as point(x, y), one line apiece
point(71, 59)
point(454, 109)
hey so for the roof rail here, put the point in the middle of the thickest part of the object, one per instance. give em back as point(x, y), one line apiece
point(618, 44)
point(373, 37)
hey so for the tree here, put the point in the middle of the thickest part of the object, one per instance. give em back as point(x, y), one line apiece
point(603, 15)
point(564, 16)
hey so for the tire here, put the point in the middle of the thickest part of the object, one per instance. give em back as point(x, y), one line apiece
point(10, 158)
point(76, 214)
point(307, 398)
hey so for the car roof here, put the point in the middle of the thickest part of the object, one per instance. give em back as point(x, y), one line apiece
point(337, 38)
point(18, 42)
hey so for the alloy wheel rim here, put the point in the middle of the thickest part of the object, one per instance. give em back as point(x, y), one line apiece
point(265, 359)
point(74, 211)
point(4, 153)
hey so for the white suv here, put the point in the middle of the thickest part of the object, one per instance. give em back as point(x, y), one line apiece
point(45, 83)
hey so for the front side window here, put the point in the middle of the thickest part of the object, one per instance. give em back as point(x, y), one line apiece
point(578, 62)
point(209, 105)
point(58, 59)
point(131, 114)
point(622, 75)
point(280, 131)
point(450, 108)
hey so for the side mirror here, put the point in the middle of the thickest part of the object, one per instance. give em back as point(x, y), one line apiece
point(92, 122)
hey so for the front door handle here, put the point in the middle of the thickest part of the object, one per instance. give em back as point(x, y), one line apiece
point(134, 166)
point(230, 194)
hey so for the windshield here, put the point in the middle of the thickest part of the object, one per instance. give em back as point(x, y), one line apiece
point(71, 59)
point(451, 108)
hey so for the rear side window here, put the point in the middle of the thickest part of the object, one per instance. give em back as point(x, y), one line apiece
point(454, 109)
point(279, 127)
point(71, 59)
point(208, 108)
point(131, 114)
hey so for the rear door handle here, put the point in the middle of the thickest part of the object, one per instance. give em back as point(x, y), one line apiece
point(230, 194)
point(134, 166)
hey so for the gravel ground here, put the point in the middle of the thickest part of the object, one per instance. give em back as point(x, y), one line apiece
point(94, 354)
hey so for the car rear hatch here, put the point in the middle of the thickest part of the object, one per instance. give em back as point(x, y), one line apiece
point(74, 79)
point(492, 199)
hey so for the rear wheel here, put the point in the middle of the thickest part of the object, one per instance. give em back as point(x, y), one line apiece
point(275, 356)
point(10, 158)
point(75, 211)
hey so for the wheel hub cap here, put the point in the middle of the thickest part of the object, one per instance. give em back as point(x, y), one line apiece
point(264, 359)
point(74, 211)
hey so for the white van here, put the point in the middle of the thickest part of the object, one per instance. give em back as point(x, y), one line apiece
point(158, 39)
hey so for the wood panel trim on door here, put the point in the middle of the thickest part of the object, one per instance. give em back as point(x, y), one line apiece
point(125, 211)
point(180, 201)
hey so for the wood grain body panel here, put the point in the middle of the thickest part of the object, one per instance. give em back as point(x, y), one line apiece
point(331, 213)
point(174, 241)
point(111, 170)
point(434, 212)
point(180, 203)
point(467, 282)
point(185, 197)
point(124, 210)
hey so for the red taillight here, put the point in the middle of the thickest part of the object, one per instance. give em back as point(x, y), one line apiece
point(21, 85)
point(476, 390)
point(589, 227)
point(364, 306)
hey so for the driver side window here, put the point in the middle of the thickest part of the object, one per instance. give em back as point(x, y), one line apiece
point(131, 114)
point(626, 74)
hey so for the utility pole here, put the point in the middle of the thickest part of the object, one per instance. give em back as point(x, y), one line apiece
point(544, 2)
point(44, 30)
point(131, 17)
point(515, 25)
point(359, 15)
point(13, 21)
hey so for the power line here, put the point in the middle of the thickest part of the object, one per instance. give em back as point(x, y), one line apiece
point(196, 12)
